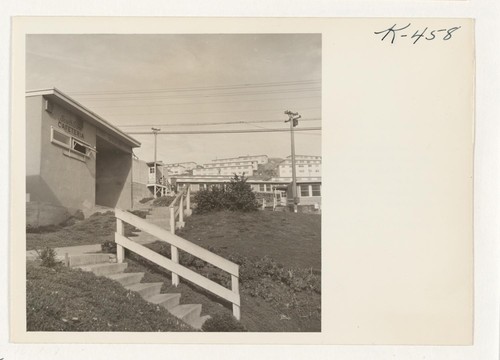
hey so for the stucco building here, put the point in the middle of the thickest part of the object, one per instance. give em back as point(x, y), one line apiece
point(74, 158)
point(305, 166)
point(308, 188)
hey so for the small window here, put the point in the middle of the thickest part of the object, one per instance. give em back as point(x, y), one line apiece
point(151, 170)
point(60, 138)
point(262, 187)
point(82, 149)
point(316, 190)
point(304, 190)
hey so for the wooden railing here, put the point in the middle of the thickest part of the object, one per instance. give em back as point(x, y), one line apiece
point(180, 207)
point(122, 242)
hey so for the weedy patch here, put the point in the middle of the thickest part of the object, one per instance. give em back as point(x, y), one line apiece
point(63, 299)
point(48, 257)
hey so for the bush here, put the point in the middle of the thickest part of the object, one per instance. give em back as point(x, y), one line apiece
point(140, 213)
point(223, 322)
point(213, 199)
point(163, 201)
point(48, 257)
point(238, 196)
point(108, 247)
point(145, 200)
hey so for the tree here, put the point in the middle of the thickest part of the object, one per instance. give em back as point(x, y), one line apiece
point(237, 196)
point(240, 195)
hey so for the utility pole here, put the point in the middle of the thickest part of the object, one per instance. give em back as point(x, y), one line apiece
point(293, 119)
point(155, 132)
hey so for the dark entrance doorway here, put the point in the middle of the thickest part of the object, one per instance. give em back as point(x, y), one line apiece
point(113, 172)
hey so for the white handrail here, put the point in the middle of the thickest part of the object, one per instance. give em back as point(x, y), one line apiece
point(173, 265)
point(177, 208)
point(183, 244)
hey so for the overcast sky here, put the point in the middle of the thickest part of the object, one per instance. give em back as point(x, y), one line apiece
point(171, 81)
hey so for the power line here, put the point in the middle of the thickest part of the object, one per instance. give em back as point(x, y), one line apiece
point(198, 88)
point(206, 95)
point(207, 102)
point(219, 131)
point(207, 112)
point(215, 123)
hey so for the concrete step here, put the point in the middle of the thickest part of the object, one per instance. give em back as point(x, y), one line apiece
point(198, 323)
point(88, 259)
point(189, 313)
point(158, 221)
point(146, 290)
point(70, 250)
point(127, 279)
point(143, 238)
point(104, 269)
point(161, 210)
point(168, 301)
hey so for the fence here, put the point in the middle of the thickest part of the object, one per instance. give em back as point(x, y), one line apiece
point(178, 270)
point(180, 207)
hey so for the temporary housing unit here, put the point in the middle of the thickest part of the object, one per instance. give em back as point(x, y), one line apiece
point(74, 159)
point(308, 188)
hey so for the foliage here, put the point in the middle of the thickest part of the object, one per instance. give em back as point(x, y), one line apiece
point(241, 196)
point(48, 256)
point(223, 322)
point(163, 201)
point(65, 299)
point(140, 213)
point(212, 199)
point(69, 221)
point(145, 200)
point(251, 271)
point(109, 247)
point(237, 196)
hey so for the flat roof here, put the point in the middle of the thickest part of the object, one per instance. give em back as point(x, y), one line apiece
point(64, 100)
point(227, 178)
point(239, 157)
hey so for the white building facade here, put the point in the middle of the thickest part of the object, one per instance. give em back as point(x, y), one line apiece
point(305, 166)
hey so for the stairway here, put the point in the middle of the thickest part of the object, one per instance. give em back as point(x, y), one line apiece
point(104, 265)
point(159, 216)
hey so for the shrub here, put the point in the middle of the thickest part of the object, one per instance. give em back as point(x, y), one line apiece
point(213, 199)
point(238, 196)
point(145, 200)
point(140, 213)
point(223, 322)
point(48, 257)
point(108, 247)
point(241, 196)
point(163, 201)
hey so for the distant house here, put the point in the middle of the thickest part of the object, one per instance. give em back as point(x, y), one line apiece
point(180, 168)
point(260, 159)
point(247, 169)
point(308, 189)
point(305, 166)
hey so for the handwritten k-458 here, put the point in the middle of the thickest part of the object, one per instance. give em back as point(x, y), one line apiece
point(396, 32)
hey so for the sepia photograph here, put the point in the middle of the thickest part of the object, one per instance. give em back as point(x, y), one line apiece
point(242, 181)
point(173, 182)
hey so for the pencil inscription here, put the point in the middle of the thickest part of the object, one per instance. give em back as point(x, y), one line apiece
point(395, 31)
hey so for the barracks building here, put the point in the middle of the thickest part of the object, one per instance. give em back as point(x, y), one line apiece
point(75, 159)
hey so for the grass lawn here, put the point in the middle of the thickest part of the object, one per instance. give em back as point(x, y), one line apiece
point(283, 310)
point(62, 299)
point(277, 253)
point(291, 239)
point(96, 229)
